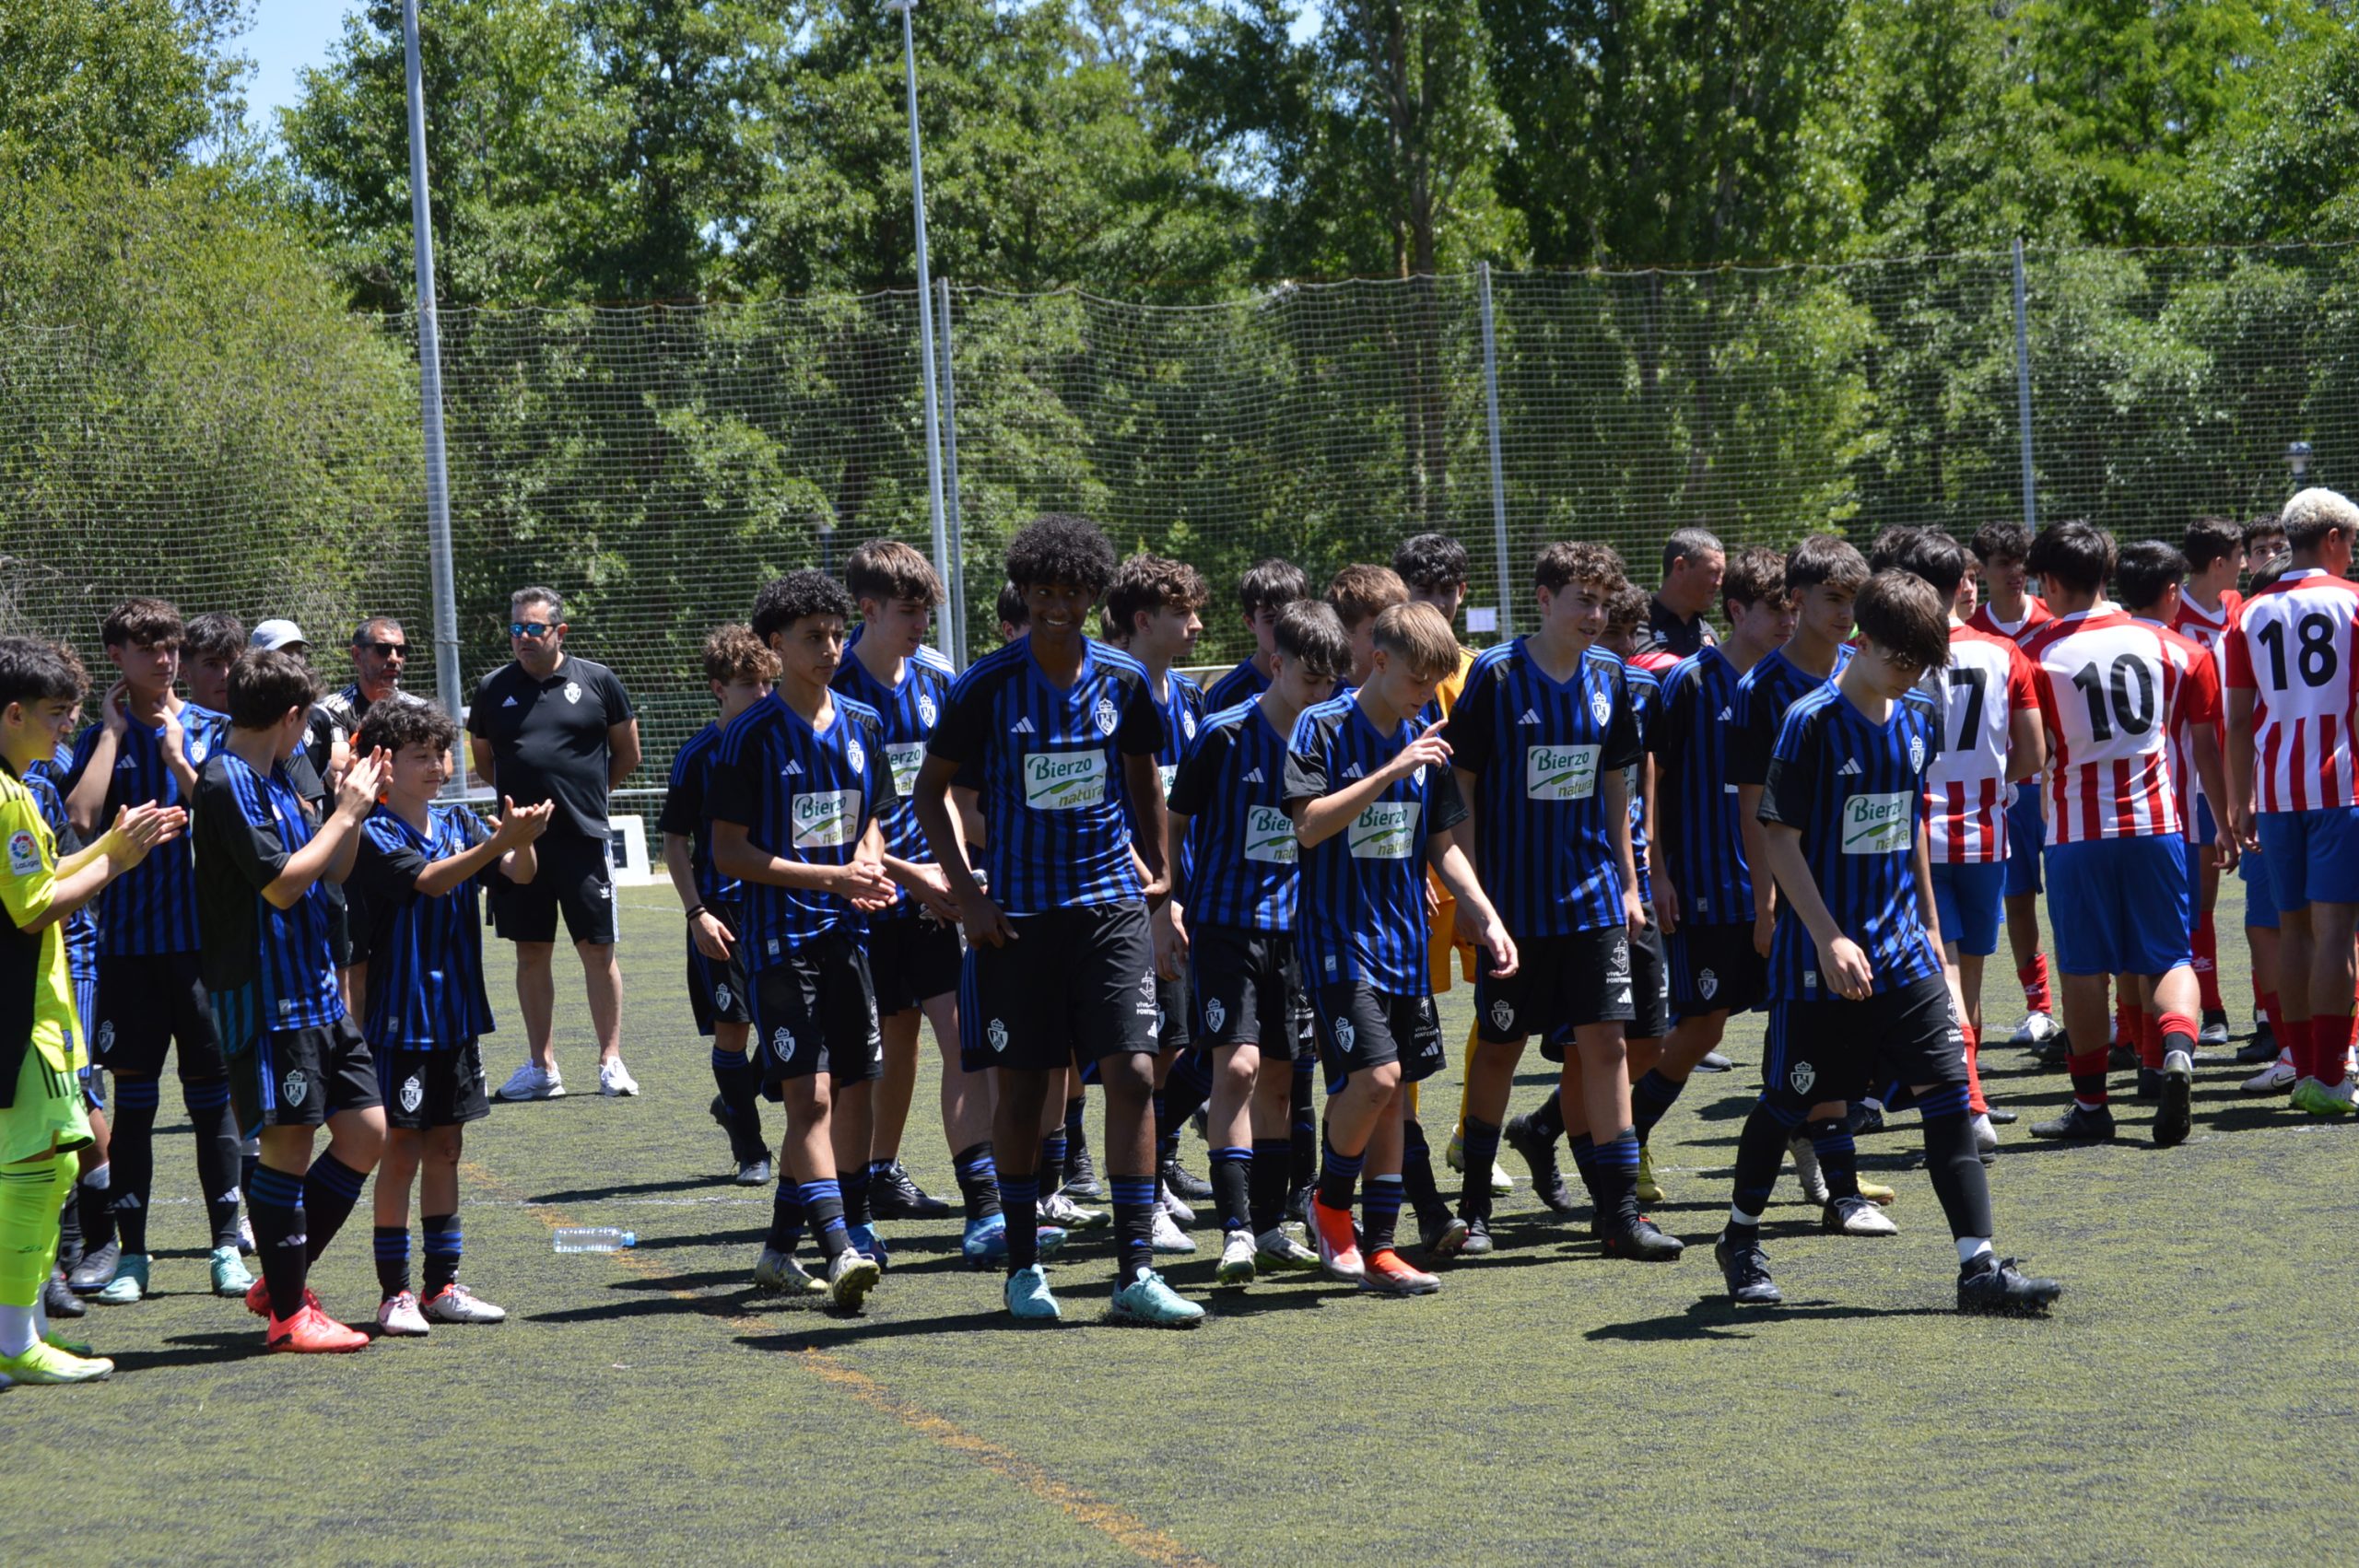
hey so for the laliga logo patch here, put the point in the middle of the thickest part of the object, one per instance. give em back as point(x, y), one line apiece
point(24, 852)
point(1502, 1014)
point(413, 1094)
point(855, 754)
point(925, 710)
point(294, 1086)
point(1707, 983)
point(573, 691)
point(1803, 1077)
point(783, 1044)
point(1106, 716)
point(1215, 1014)
point(1345, 1034)
point(997, 1034)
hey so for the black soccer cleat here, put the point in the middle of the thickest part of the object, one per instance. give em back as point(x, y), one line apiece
point(2052, 1051)
point(2261, 1048)
point(1865, 1117)
point(1081, 1176)
point(1539, 1152)
point(59, 1301)
point(2078, 1125)
point(1993, 1286)
point(1478, 1239)
point(2120, 1059)
point(97, 1269)
point(2175, 1118)
point(2150, 1085)
point(1746, 1268)
point(1299, 1202)
point(1185, 1184)
point(892, 1195)
point(1637, 1238)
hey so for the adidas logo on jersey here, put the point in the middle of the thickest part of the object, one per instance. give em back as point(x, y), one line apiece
point(510, 703)
point(1022, 727)
point(1725, 715)
point(1253, 777)
point(1850, 769)
point(1355, 771)
point(1529, 718)
point(791, 768)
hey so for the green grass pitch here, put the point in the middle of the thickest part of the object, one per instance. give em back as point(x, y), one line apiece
point(2188, 1400)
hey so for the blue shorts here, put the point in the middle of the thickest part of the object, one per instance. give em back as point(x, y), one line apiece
point(2313, 857)
point(2120, 905)
point(2207, 828)
point(2260, 900)
point(1968, 898)
point(2026, 833)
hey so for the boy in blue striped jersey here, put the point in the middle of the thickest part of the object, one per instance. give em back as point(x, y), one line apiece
point(1065, 962)
point(1265, 590)
point(1540, 740)
point(739, 670)
point(1856, 982)
point(1232, 919)
point(420, 862)
point(296, 1060)
point(1373, 797)
point(795, 797)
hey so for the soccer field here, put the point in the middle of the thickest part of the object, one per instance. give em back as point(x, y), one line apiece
point(2182, 1404)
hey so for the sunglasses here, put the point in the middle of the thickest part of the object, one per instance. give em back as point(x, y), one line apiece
point(382, 650)
point(530, 629)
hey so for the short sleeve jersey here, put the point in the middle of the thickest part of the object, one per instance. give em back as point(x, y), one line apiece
point(1244, 861)
point(1538, 749)
point(1240, 684)
point(1974, 700)
point(802, 794)
point(1762, 696)
point(2204, 705)
point(247, 826)
point(2110, 689)
point(2203, 626)
point(36, 993)
point(909, 711)
point(1045, 764)
point(1362, 916)
point(548, 738)
point(426, 990)
point(1854, 790)
point(685, 812)
point(1696, 810)
point(2294, 649)
point(151, 908)
point(2035, 617)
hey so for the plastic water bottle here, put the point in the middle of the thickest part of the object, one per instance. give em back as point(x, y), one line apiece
point(595, 1238)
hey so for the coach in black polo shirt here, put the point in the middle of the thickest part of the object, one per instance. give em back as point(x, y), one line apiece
point(552, 727)
point(1693, 563)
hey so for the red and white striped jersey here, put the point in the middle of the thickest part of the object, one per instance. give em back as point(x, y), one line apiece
point(1988, 683)
point(2292, 650)
point(2110, 690)
point(2193, 621)
point(2036, 618)
point(2200, 669)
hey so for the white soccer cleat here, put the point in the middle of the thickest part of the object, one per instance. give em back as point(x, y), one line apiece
point(2276, 1078)
point(399, 1314)
point(1986, 1137)
point(1807, 1174)
point(615, 1079)
point(1170, 1202)
point(2037, 1029)
point(1236, 1259)
point(456, 1303)
point(530, 1082)
point(1169, 1238)
point(1060, 1210)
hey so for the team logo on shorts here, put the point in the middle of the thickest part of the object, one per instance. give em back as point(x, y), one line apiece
point(783, 1044)
point(1107, 717)
point(1803, 1077)
point(925, 711)
point(857, 755)
point(1705, 984)
point(1345, 1034)
point(413, 1094)
point(294, 1086)
point(106, 1036)
point(1600, 706)
point(573, 691)
point(997, 1034)
point(721, 998)
point(1215, 1014)
point(1503, 1014)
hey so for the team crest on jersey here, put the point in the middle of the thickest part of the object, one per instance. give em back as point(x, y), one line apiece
point(413, 1094)
point(856, 756)
point(1215, 1014)
point(573, 691)
point(925, 710)
point(1916, 751)
point(1345, 1034)
point(1503, 1014)
point(1188, 724)
point(1107, 717)
point(1803, 1077)
point(24, 853)
point(721, 998)
point(1705, 984)
point(1600, 706)
point(783, 1044)
point(294, 1086)
point(195, 752)
point(997, 1034)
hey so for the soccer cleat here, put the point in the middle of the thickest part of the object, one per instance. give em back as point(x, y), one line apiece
point(1746, 1268)
point(1081, 1176)
point(1876, 1192)
point(245, 1235)
point(2079, 1124)
point(2119, 1058)
point(1986, 1137)
point(1339, 1248)
point(1650, 1189)
point(58, 1299)
point(1274, 1250)
point(456, 1303)
point(1864, 1118)
point(1445, 1238)
point(529, 1083)
point(312, 1332)
point(1856, 1217)
point(615, 1081)
point(1639, 1239)
point(45, 1364)
point(1184, 1183)
point(1027, 1296)
point(1992, 1285)
point(2053, 1051)
point(1538, 1151)
point(776, 1273)
point(2318, 1099)
point(2037, 1029)
point(130, 1281)
point(1236, 1259)
point(2175, 1121)
point(89, 1276)
point(1057, 1209)
point(56, 1340)
point(1299, 1202)
point(1172, 1203)
point(1168, 1238)
point(1502, 1183)
point(1387, 1273)
point(849, 1279)
point(2149, 1084)
point(869, 1245)
point(231, 1277)
point(1148, 1302)
point(2274, 1079)
point(2262, 1047)
point(1478, 1242)
point(894, 1195)
point(1807, 1174)
point(1202, 1121)
point(398, 1316)
point(258, 1299)
point(1713, 1061)
point(2216, 1028)
point(985, 1242)
point(2001, 1117)
point(754, 1173)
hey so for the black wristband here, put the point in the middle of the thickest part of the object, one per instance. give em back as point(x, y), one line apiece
point(695, 912)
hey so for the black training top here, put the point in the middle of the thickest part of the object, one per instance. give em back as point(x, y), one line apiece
point(1671, 633)
point(548, 738)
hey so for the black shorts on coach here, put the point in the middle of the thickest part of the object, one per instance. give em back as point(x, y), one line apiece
point(911, 960)
point(1075, 985)
point(718, 991)
point(814, 1011)
point(576, 879)
point(1715, 968)
point(1246, 985)
point(1361, 1027)
point(1560, 984)
point(1845, 1050)
point(301, 1077)
point(427, 1089)
point(146, 1003)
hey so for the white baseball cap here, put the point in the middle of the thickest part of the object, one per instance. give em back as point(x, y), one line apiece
point(278, 634)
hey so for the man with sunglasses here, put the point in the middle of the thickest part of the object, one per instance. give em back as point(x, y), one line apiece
point(551, 726)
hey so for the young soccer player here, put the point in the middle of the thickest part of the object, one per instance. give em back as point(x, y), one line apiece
point(795, 800)
point(151, 996)
point(420, 861)
point(43, 1125)
point(2266, 552)
point(2208, 606)
point(2010, 611)
point(298, 1061)
point(1267, 588)
point(2111, 690)
point(210, 644)
point(1064, 960)
point(2291, 678)
point(1233, 917)
point(1856, 983)
point(1539, 741)
point(1374, 797)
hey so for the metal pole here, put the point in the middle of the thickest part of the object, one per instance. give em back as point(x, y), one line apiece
point(430, 392)
point(956, 585)
point(2022, 388)
point(1499, 473)
point(925, 294)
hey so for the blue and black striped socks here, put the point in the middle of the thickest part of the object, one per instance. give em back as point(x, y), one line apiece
point(1839, 1156)
point(444, 1242)
point(1339, 1179)
point(823, 1210)
point(740, 1083)
point(216, 1125)
point(977, 1179)
point(392, 1245)
point(1133, 1226)
point(786, 1217)
point(1267, 1192)
point(131, 1149)
point(1481, 1153)
point(274, 1199)
point(1651, 1097)
point(1232, 1183)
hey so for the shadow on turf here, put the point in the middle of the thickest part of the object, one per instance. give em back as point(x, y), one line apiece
point(192, 1350)
point(1712, 1317)
point(627, 1189)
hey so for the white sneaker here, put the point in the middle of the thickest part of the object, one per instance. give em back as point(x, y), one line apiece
point(2275, 1079)
point(1273, 1248)
point(1806, 1172)
point(1236, 1259)
point(1986, 1137)
point(529, 1083)
point(1167, 1238)
point(399, 1314)
point(615, 1079)
point(1501, 1182)
point(2037, 1029)
point(1858, 1217)
point(1170, 1202)
point(456, 1303)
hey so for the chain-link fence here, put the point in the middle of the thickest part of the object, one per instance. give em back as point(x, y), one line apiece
point(657, 463)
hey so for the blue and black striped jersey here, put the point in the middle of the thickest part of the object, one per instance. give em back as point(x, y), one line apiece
point(81, 932)
point(802, 794)
point(1243, 861)
point(426, 986)
point(1697, 824)
point(910, 712)
point(1763, 696)
point(1537, 748)
point(1363, 892)
point(152, 907)
point(247, 826)
point(1645, 707)
point(1855, 789)
point(1047, 766)
point(685, 812)
point(1240, 684)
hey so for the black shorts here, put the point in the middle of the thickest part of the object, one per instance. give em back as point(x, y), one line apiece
point(814, 1011)
point(1247, 986)
point(301, 1077)
point(425, 1089)
point(911, 960)
point(146, 1003)
point(1560, 984)
point(974, 1049)
point(1649, 984)
point(1714, 969)
point(717, 991)
point(1845, 1050)
point(1361, 1027)
point(341, 929)
point(1076, 984)
point(1172, 1034)
point(355, 915)
point(575, 876)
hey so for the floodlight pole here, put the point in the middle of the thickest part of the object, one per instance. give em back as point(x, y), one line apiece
point(1498, 475)
point(430, 392)
point(925, 297)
